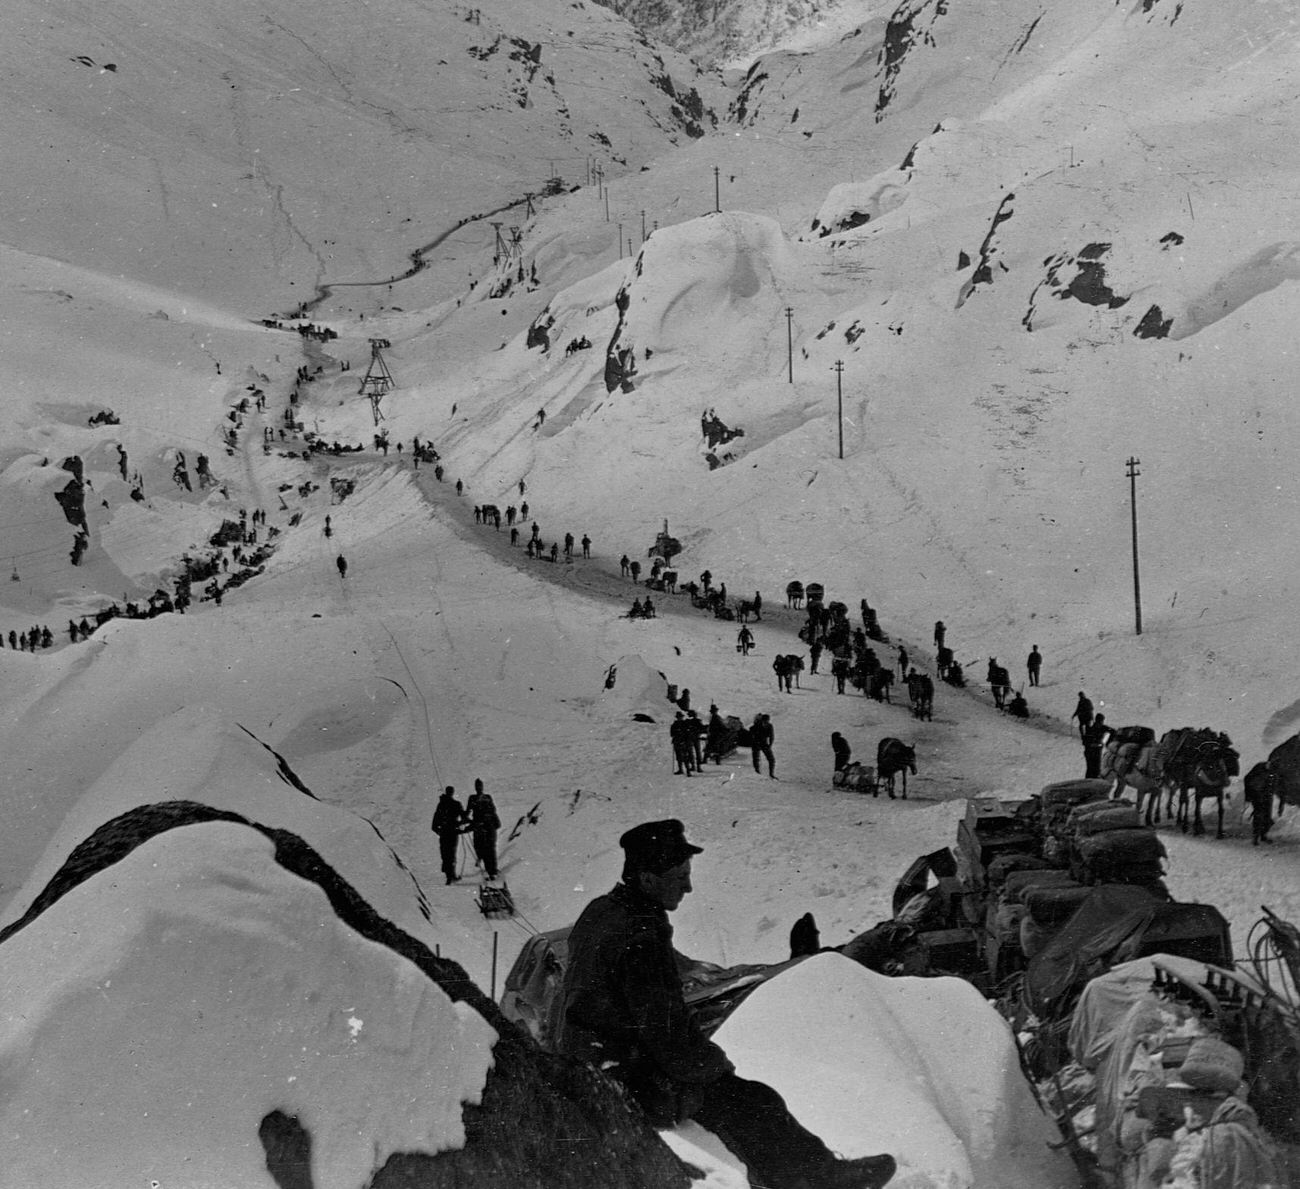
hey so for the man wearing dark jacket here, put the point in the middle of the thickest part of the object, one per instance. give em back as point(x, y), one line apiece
point(843, 752)
point(448, 824)
point(484, 823)
point(717, 732)
point(761, 737)
point(1083, 712)
point(623, 1011)
point(1094, 740)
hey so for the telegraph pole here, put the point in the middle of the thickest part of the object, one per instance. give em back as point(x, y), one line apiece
point(838, 369)
point(643, 226)
point(789, 340)
point(620, 241)
point(717, 199)
point(1133, 474)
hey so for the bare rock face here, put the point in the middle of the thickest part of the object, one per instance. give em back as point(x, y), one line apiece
point(715, 31)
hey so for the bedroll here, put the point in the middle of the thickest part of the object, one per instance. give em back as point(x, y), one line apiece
point(1133, 856)
point(1099, 816)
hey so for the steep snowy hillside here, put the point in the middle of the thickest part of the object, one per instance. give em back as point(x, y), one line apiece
point(179, 182)
point(250, 153)
point(1040, 245)
point(937, 280)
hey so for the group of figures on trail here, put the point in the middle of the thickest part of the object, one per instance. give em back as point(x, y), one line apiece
point(694, 743)
point(477, 818)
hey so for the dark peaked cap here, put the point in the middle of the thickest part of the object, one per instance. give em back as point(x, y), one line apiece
point(657, 846)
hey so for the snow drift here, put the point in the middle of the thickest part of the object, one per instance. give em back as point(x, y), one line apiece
point(829, 1034)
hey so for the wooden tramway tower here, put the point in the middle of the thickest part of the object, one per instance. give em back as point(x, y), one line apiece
point(378, 379)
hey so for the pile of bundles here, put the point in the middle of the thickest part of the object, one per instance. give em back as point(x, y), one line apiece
point(1127, 750)
point(1099, 840)
point(1083, 840)
point(1160, 1091)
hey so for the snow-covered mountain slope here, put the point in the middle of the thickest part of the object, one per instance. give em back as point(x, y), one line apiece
point(1049, 243)
point(1039, 240)
point(250, 153)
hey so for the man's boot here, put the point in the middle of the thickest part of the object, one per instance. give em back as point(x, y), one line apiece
point(865, 1172)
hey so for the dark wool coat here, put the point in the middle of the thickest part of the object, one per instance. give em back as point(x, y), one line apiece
point(623, 998)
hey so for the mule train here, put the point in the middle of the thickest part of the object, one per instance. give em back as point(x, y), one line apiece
point(1188, 763)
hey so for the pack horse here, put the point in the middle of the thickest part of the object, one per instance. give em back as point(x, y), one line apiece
point(893, 757)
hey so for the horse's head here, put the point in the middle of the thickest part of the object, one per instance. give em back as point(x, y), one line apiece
point(1211, 772)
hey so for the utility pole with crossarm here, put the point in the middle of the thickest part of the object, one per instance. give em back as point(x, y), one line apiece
point(1133, 474)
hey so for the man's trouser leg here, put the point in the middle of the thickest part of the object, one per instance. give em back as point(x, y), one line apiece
point(753, 1121)
point(448, 845)
point(485, 848)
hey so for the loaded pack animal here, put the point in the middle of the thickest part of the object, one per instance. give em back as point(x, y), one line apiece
point(747, 607)
point(999, 682)
point(1196, 763)
point(943, 662)
point(1277, 777)
point(670, 581)
point(794, 594)
point(893, 756)
point(1128, 759)
point(881, 682)
point(787, 668)
point(920, 689)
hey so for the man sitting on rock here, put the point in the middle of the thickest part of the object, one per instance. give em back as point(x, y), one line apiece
point(624, 1011)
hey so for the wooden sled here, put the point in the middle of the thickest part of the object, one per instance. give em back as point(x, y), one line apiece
point(494, 901)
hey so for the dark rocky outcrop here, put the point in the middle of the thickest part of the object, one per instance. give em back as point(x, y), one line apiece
point(544, 1120)
point(72, 499)
point(1079, 276)
point(909, 26)
point(1153, 325)
point(983, 274)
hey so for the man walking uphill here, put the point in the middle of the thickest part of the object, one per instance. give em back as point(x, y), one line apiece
point(448, 824)
point(484, 823)
point(1083, 712)
point(623, 1011)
